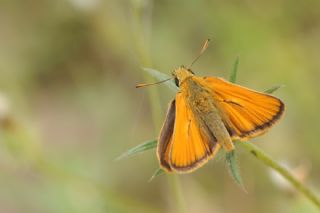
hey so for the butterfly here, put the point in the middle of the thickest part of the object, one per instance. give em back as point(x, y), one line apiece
point(209, 113)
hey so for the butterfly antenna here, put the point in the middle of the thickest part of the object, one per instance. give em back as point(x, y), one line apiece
point(159, 82)
point(203, 49)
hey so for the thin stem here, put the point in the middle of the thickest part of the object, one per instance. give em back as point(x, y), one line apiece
point(141, 32)
point(176, 188)
point(258, 153)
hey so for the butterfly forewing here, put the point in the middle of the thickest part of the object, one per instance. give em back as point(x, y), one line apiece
point(191, 144)
point(246, 113)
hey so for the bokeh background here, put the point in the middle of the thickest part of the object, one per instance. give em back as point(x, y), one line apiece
point(68, 106)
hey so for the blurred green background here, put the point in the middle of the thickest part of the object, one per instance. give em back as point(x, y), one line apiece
point(68, 106)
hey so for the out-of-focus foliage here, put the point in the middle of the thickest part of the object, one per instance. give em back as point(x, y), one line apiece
point(68, 106)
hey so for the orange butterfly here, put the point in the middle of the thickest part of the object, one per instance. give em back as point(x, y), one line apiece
point(208, 113)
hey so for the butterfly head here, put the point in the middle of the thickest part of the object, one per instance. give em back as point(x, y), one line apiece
point(181, 74)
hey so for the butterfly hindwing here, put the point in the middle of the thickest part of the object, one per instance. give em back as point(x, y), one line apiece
point(164, 140)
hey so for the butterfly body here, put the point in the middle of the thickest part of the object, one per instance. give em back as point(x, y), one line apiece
point(200, 101)
point(207, 114)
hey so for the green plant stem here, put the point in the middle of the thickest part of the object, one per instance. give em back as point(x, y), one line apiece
point(139, 15)
point(176, 188)
point(259, 154)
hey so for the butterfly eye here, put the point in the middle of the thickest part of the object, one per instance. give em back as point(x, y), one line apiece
point(190, 71)
point(176, 81)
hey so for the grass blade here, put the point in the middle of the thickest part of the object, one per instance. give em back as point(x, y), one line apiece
point(233, 168)
point(158, 172)
point(273, 89)
point(231, 159)
point(138, 149)
point(161, 76)
point(233, 75)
